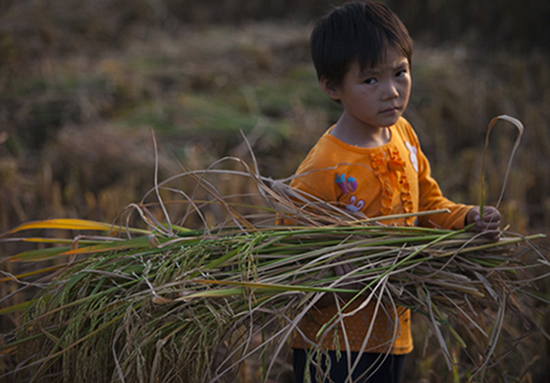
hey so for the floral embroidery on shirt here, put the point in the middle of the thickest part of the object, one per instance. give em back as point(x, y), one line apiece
point(348, 184)
point(413, 156)
point(390, 170)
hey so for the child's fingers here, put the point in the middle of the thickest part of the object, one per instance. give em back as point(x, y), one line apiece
point(342, 268)
point(491, 214)
point(483, 224)
point(480, 227)
point(488, 224)
point(490, 220)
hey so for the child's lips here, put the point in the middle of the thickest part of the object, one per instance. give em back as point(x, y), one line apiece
point(389, 111)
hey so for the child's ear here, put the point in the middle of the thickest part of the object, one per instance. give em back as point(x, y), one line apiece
point(329, 87)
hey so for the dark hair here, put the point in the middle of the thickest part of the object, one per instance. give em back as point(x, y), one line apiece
point(357, 30)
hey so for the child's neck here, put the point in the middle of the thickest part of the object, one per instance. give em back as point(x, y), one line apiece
point(360, 135)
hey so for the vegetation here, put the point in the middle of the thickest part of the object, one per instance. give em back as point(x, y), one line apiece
point(173, 304)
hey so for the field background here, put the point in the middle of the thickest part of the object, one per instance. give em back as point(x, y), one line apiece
point(84, 83)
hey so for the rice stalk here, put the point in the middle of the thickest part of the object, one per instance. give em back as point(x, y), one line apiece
point(183, 304)
point(492, 123)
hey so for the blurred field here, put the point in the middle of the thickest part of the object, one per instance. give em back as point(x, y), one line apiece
point(84, 84)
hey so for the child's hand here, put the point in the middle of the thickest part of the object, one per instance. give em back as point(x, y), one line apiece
point(346, 268)
point(340, 268)
point(489, 223)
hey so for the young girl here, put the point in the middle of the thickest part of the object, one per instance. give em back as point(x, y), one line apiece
point(371, 162)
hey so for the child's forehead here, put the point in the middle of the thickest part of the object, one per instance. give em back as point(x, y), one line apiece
point(386, 62)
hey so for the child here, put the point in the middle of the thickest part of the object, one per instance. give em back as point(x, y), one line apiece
point(369, 162)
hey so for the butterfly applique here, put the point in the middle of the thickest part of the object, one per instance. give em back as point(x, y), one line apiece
point(347, 184)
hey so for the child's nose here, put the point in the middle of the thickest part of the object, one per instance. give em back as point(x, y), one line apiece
point(390, 91)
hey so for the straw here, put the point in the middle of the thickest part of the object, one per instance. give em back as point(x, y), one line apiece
point(186, 304)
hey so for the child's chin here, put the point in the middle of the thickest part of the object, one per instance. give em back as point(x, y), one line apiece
point(388, 122)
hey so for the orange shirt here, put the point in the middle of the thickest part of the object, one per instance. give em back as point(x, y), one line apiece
point(390, 179)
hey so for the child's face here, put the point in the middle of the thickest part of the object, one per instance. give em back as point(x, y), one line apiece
point(377, 96)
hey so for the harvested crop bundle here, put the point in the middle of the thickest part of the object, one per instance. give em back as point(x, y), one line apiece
point(166, 303)
point(195, 300)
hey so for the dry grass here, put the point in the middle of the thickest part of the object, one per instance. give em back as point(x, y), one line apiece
point(194, 305)
point(199, 88)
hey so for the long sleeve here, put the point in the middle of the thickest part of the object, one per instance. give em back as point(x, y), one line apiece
point(430, 197)
point(392, 179)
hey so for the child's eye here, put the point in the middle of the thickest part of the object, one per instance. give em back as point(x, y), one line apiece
point(370, 81)
point(401, 73)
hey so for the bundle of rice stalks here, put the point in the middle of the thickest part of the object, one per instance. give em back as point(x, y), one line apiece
point(167, 303)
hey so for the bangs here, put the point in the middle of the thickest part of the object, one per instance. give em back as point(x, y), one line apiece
point(358, 30)
point(372, 42)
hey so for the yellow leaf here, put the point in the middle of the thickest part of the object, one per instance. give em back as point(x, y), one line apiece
point(32, 273)
point(70, 224)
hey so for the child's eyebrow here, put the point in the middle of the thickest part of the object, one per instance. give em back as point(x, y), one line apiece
point(369, 71)
point(375, 70)
point(402, 64)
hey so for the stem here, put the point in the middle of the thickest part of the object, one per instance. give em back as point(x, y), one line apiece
point(393, 267)
point(520, 128)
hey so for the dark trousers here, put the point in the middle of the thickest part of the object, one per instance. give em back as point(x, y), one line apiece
point(372, 367)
